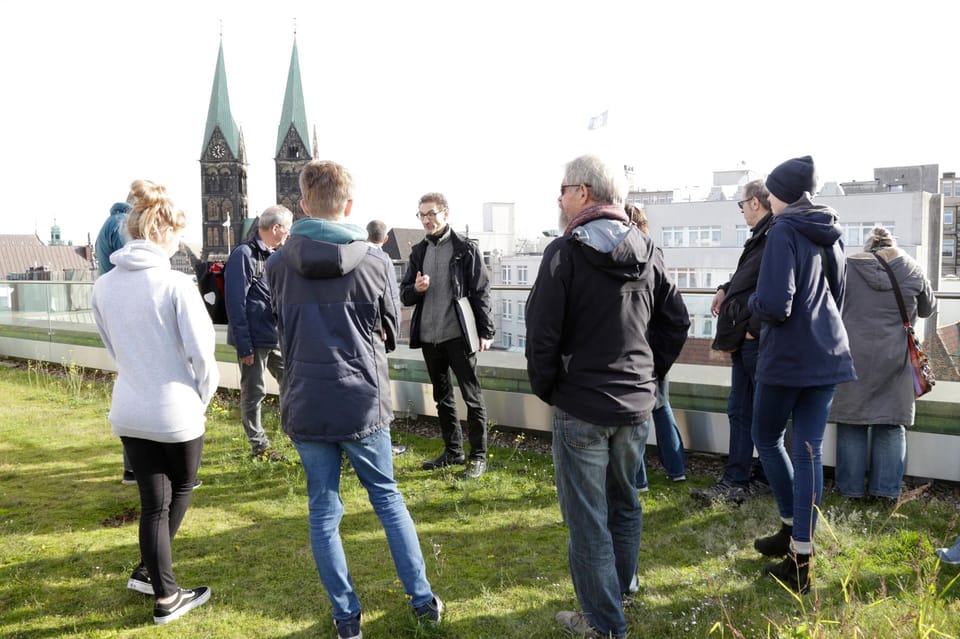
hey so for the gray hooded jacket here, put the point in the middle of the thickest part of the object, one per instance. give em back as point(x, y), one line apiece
point(883, 392)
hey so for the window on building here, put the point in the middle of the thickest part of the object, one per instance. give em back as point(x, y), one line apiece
point(522, 341)
point(507, 309)
point(948, 213)
point(948, 188)
point(673, 236)
point(743, 232)
point(522, 274)
point(949, 248)
point(704, 235)
point(521, 312)
point(505, 274)
point(856, 233)
point(507, 340)
point(895, 188)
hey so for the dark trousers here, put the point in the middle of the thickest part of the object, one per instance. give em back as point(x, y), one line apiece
point(440, 359)
point(165, 476)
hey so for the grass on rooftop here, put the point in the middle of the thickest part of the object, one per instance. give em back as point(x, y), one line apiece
point(495, 548)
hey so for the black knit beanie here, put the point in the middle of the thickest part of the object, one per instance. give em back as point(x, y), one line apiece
point(789, 180)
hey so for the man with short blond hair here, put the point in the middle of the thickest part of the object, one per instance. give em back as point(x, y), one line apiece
point(338, 316)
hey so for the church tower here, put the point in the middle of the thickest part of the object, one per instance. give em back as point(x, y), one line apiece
point(223, 173)
point(293, 150)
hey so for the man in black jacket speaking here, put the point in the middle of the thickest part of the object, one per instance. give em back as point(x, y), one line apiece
point(447, 282)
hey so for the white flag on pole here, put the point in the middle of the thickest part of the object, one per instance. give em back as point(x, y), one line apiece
point(598, 121)
point(226, 222)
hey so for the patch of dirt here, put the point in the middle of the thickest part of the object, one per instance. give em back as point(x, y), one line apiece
point(128, 516)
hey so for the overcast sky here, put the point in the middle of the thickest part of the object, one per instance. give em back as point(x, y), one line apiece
point(483, 101)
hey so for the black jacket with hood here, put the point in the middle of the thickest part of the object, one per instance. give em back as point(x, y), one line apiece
point(603, 323)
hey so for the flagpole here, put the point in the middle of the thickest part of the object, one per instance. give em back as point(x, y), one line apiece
point(227, 224)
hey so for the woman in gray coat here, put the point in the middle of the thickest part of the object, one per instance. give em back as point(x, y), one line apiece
point(881, 402)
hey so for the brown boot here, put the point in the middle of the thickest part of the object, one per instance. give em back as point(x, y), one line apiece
point(794, 571)
point(777, 544)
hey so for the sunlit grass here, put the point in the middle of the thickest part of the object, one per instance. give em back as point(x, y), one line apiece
point(495, 549)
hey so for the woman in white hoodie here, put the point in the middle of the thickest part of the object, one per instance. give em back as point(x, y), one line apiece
point(153, 323)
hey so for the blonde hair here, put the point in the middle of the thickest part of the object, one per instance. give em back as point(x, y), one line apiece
point(326, 186)
point(153, 212)
point(879, 238)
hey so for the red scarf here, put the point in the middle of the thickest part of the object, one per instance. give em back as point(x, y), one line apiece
point(596, 212)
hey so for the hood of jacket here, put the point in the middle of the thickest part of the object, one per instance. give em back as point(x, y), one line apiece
point(137, 255)
point(873, 274)
point(316, 259)
point(816, 222)
point(619, 250)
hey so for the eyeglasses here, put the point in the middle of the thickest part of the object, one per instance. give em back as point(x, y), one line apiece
point(741, 202)
point(433, 213)
point(563, 187)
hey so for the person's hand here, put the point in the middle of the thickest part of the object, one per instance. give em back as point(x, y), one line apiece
point(747, 335)
point(717, 301)
point(248, 360)
point(422, 283)
point(485, 344)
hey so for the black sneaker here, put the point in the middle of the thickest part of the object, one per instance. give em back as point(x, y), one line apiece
point(445, 459)
point(475, 469)
point(186, 601)
point(431, 612)
point(129, 479)
point(721, 491)
point(349, 628)
point(758, 487)
point(270, 455)
point(140, 580)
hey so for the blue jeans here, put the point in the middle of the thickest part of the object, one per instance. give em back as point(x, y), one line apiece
point(887, 451)
point(372, 460)
point(740, 413)
point(253, 390)
point(669, 442)
point(596, 469)
point(797, 486)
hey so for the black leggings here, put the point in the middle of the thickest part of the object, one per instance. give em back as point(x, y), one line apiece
point(165, 476)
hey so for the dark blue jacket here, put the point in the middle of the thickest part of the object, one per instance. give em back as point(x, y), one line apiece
point(250, 322)
point(799, 296)
point(338, 315)
point(468, 277)
point(603, 323)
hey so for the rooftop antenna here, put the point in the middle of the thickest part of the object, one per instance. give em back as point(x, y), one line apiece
point(294, 27)
point(221, 28)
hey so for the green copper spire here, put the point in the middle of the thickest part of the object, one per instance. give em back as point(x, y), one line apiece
point(294, 113)
point(219, 114)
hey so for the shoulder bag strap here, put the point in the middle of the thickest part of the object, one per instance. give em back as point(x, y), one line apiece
point(896, 289)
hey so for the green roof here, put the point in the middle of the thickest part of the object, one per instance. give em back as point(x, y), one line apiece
point(294, 112)
point(218, 115)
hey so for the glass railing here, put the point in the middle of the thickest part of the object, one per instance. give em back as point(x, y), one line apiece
point(52, 321)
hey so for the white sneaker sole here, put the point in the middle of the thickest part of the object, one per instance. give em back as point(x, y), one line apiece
point(196, 602)
point(140, 586)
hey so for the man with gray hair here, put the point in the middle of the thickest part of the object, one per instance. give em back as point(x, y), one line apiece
point(251, 328)
point(604, 322)
point(377, 237)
